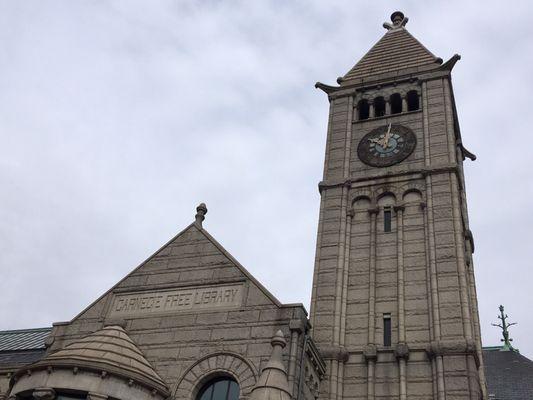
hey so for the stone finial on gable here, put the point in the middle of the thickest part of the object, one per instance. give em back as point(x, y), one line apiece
point(398, 20)
point(201, 210)
point(272, 383)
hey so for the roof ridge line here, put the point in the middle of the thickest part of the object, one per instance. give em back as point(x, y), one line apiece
point(27, 330)
point(134, 270)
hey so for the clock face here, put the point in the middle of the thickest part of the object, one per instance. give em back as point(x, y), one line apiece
point(386, 145)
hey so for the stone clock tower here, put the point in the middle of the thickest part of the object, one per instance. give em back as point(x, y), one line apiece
point(394, 308)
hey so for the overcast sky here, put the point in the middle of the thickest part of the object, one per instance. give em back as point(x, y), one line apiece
point(118, 117)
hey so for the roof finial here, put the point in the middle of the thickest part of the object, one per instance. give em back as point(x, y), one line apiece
point(201, 210)
point(505, 331)
point(398, 21)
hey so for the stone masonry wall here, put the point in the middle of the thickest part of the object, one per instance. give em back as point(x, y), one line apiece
point(175, 341)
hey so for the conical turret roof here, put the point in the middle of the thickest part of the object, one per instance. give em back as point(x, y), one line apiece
point(109, 349)
point(397, 50)
point(272, 383)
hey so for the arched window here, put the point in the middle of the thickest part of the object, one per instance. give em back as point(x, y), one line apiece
point(395, 103)
point(221, 388)
point(379, 106)
point(364, 109)
point(412, 101)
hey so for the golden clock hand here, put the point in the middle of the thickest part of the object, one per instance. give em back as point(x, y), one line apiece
point(387, 137)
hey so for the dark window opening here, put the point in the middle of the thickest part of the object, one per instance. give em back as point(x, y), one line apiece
point(364, 109)
point(379, 106)
point(219, 389)
point(387, 330)
point(395, 103)
point(387, 220)
point(70, 396)
point(412, 101)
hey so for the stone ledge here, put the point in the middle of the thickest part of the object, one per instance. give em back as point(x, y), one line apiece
point(338, 353)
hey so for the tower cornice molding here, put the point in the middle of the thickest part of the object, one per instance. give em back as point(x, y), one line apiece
point(453, 347)
point(421, 172)
point(375, 82)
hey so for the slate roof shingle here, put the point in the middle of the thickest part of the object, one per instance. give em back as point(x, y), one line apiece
point(22, 346)
point(23, 339)
point(509, 375)
point(396, 50)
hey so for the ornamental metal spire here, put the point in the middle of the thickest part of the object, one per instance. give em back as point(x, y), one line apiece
point(505, 331)
point(398, 21)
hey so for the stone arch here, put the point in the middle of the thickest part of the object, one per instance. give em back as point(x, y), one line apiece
point(385, 191)
point(412, 195)
point(212, 366)
point(358, 195)
point(361, 202)
point(413, 187)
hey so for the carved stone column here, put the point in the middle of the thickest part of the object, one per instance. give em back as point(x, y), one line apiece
point(296, 327)
point(371, 109)
point(400, 348)
point(372, 277)
point(370, 352)
point(399, 209)
point(404, 103)
point(346, 266)
point(402, 355)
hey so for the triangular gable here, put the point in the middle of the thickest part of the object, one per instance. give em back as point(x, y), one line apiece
point(395, 51)
point(192, 255)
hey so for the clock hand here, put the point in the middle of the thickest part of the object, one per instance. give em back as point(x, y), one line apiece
point(387, 137)
point(379, 141)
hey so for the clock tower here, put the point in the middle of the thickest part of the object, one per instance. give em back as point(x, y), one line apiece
point(394, 308)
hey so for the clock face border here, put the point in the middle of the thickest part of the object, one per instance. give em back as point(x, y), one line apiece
point(369, 157)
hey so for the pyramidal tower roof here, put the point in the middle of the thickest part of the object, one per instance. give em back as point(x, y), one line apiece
point(397, 50)
point(109, 349)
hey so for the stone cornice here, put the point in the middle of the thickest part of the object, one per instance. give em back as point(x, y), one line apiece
point(335, 183)
point(453, 347)
point(316, 357)
point(80, 367)
point(407, 75)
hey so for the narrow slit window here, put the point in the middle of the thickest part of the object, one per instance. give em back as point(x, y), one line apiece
point(387, 220)
point(387, 330)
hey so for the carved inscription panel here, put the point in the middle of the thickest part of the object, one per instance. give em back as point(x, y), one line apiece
point(178, 300)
